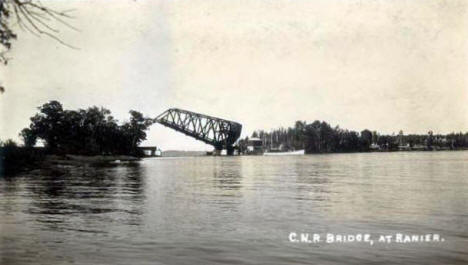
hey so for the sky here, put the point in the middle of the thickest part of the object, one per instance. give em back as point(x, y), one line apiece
point(376, 64)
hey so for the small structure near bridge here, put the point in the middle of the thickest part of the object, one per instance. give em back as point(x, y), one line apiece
point(150, 150)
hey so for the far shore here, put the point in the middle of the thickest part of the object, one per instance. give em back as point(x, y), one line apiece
point(59, 165)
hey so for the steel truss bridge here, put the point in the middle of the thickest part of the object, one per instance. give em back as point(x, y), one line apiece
point(220, 133)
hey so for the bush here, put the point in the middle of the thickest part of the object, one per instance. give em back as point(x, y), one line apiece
point(14, 159)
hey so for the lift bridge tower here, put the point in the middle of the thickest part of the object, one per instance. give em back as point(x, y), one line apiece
point(220, 133)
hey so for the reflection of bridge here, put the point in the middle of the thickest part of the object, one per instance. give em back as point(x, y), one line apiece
point(220, 133)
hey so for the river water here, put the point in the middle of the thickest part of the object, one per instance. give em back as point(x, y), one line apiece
point(240, 210)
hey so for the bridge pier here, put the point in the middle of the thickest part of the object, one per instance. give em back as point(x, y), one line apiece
point(217, 152)
point(230, 150)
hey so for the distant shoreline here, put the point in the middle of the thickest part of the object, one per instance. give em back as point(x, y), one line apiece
point(61, 164)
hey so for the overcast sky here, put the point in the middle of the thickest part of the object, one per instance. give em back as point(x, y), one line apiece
point(382, 65)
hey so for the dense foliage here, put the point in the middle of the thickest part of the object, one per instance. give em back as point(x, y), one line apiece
point(91, 131)
point(14, 158)
point(320, 137)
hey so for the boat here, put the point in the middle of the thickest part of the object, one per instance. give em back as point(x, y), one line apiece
point(288, 153)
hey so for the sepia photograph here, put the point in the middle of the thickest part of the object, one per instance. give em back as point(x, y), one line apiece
point(233, 132)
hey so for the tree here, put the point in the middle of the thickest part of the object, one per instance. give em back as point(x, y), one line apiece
point(375, 137)
point(430, 139)
point(326, 138)
point(312, 137)
point(137, 127)
point(88, 131)
point(29, 137)
point(47, 123)
point(299, 132)
point(366, 139)
point(30, 16)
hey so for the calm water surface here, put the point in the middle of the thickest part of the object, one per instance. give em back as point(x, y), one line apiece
point(239, 210)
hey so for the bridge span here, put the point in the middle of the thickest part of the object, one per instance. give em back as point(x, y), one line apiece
point(220, 133)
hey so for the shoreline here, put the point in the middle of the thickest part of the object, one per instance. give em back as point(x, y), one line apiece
point(82, 159)
point(59, 165)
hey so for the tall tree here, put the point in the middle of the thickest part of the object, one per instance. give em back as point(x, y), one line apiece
point(48, 122)
point(366, 139)
point(136, 128)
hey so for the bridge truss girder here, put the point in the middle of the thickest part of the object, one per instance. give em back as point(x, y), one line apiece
point(220, 133)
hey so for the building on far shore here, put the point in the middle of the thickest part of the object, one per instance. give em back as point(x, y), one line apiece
point(254, 146)
point(374, 147)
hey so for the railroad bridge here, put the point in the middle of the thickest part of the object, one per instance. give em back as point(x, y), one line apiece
point(220, 133)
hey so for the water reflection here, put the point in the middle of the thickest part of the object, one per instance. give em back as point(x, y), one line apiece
point(237, 210)
point(227, 174)
point(90, 196)
point(313, 181)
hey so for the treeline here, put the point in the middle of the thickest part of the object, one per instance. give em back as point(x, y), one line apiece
point(321, 137)
point(91, 131)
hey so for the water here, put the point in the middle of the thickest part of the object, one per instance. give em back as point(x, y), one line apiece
point(240, 210)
